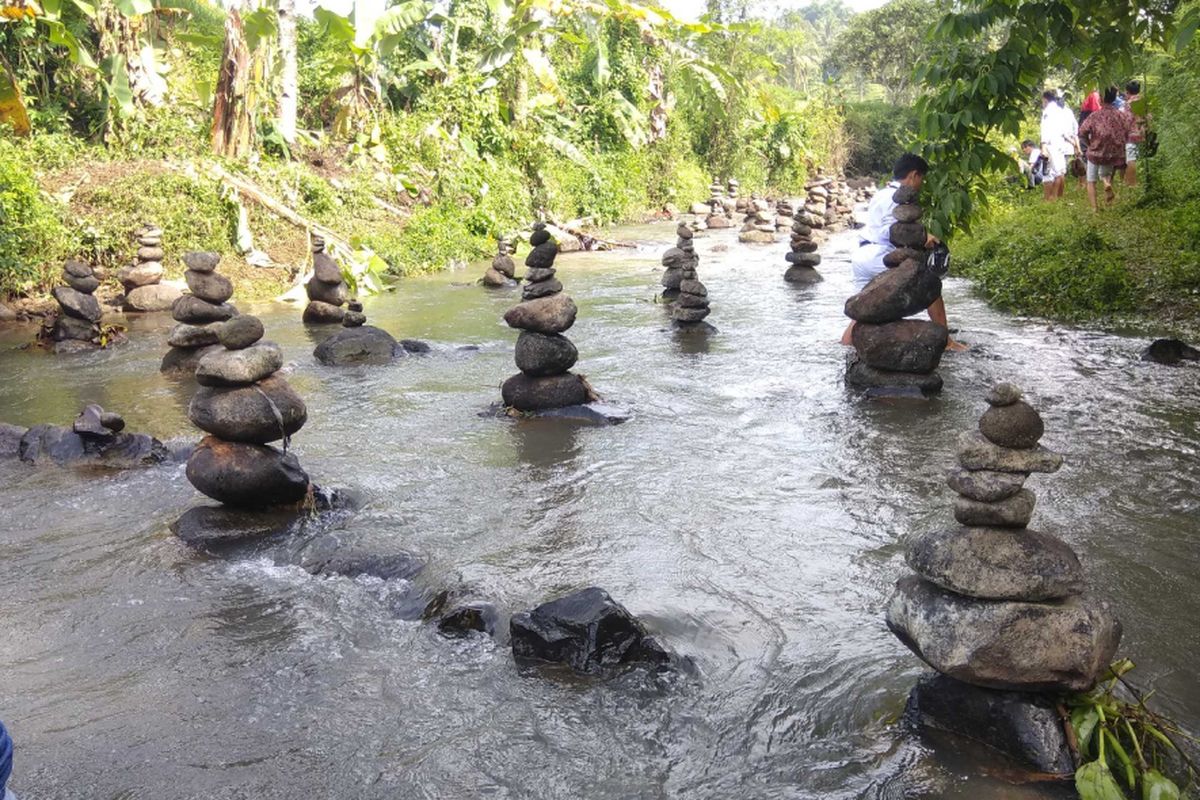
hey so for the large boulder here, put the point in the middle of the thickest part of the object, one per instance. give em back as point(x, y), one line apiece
point(1005, 644)
point(553, 314)
point(895, 294)
point(262, 413)
point(526, 393)
point(588, 631)
point(152, 298)
point(1022, 726)
point(246, 475)
point(908, 345)
point(365, 344)
point(77, 304)
point(243, 367)
point(541, 354)
point(997, 564)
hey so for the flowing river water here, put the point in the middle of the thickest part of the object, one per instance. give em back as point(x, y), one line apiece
point(751, 512)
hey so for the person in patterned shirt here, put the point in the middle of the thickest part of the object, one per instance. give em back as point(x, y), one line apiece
point(1106, 133)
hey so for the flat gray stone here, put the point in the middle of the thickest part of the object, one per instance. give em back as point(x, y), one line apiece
point(239, 367)
point(976, 452)
point(985, 485)
point(997, 563)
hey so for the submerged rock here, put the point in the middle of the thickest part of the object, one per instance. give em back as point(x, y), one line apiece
point(63, 446)
point(1170, 351)
point(526, 393)
point(246, 475)
point(475, 617)
point(364, 344)
point(1022, 726)
point(587, 630)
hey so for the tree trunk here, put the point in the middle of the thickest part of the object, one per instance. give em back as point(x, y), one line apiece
point(233, 122)
point(656, 88)
point(288, 88)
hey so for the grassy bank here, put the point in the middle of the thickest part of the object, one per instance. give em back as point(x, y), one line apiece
point(1136, 263)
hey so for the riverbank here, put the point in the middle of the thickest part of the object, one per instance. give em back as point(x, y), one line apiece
point(1133, 266)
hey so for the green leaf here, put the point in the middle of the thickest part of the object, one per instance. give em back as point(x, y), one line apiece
point(133, 8)
point(120, 95)
point(59, 35)
point(334, 25)
point(1157, 787)
point(1093, 781)
point(1187, 29)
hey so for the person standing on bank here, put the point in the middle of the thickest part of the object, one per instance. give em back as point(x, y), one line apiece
point(1107, 131)
point(1137, 134)
point(1060, 139)
point(875, 242)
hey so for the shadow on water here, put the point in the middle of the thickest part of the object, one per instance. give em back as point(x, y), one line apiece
point(752, 511)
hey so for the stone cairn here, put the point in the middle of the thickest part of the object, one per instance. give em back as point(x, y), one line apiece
point(325, 289)
point(543, 354)
point(803, 258)
point(687, 295)
point(717, 216)
point(142, 280)
point(894, 354)
point(76, 326)
point(785, 214)
point(243, 406)
point(198, 313)
point(994, 604)
point(759, 227)
point(502, 272)
point(740, 204)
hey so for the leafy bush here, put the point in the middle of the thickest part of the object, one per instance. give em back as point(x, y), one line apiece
point(878, 133)
point(34, 238)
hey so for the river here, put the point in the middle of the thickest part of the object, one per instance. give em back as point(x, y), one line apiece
point(751, 512)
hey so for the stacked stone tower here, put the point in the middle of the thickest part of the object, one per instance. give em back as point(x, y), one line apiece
point(503, 271)
point(76, 327)
point(993, 603)
point(325, 289)
point(676, 260)
point(759, 225)
point(198, 313)
point(144, 290)
point(543, 354)
point(803, 258)
point(244, 406)
point(739, 202)
point(895, 354)
point(717, 217)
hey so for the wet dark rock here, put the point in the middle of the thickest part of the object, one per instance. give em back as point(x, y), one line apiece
point(85, 285)
point(985, 485)
point(318, 313)
point(541, 354)
point(184, 335)
point(903, 346)
point(354, 319)
point(803, 259)
point(240, 332)
point(526, 393)
point(89, 423)
point(63, 446)
point(997, 563)
point(534, 275)
point(71, 328)
point(239, 367)
point(539, 237)
point(1170, 351)
point(908, 212)
point(216, 528)
point(907, 234)
point(802, 275)
point(212, 287)
point(333, 294)
point(194, 311)
point(258, 414)
point(904, 194)
point(10, 439)
point(689, 301)
point(976, 452)
point(542, 256)
point(365, 344)
point(1012, 512)
point(1002, 644)
point(895, 294)
point(588, 631)
point(112, 421)
point(895, 258)
point(477, 617)
point(184, 360)
point(415, 346)
point(77, 304)
point(1022, 726)
point(887, 382)
point(351, 564)
point(532, 291)
point(153, 298)
point(325, 269)
point(246, 475)
point(1015, 425)
point(201, 262)
point(553, 314)
point(804, 246)
point(495, 279)
point(77, 269)
point(671, 279)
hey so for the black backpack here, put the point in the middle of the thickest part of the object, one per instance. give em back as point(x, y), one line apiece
point(938, 260)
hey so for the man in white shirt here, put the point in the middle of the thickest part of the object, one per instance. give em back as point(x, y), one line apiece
point(875, 241)
point(1033, 171)
point(1060, 139)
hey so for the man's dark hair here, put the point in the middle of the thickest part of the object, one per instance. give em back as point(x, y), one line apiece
point(1133, 87)
point(1027, 143)
point(1110, 95)
point(1050, 95)
point(909, 162)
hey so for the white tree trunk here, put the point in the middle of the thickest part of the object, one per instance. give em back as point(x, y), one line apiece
point(288, 82)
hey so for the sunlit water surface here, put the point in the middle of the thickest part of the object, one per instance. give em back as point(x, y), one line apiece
point(751, 512)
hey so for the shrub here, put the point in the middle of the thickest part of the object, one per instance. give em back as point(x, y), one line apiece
point(878, 133)
point(34, 237)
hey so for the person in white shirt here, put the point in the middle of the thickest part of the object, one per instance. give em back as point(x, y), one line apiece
point(1060, 139)
point(875, 242)
point(1033, 171)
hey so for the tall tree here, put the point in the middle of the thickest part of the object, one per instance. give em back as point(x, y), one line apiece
point(885, 45)
point(289, 90)
point(233, 118)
